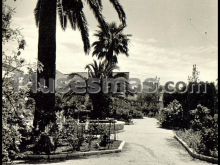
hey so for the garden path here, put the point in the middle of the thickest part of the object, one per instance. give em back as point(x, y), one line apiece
point(146, 144)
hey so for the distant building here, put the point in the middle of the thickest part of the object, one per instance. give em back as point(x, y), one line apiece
point(121, 84)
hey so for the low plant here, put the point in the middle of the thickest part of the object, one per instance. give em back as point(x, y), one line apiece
point(150, 110)
point(44, 144)
point(171, 116)
point(135, 114)
point(203, 121)
point(104, 140)
point(192, 138)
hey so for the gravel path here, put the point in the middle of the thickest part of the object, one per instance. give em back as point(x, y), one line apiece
point(146, 144)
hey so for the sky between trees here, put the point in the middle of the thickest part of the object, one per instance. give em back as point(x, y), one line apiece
point(169, 36)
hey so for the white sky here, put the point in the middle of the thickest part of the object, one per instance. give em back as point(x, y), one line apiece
point(169, 36)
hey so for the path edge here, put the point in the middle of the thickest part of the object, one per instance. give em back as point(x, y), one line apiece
point(193, 153)
point(73, 155)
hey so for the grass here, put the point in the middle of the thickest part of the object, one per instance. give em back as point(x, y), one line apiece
point(192, 139)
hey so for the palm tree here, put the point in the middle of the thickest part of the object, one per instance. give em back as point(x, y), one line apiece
point(100, 70)
point(110, 46)
point(100, 100)
point(45, 15)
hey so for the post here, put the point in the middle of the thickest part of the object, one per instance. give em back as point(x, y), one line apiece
point(109, 133)
point(114, 131)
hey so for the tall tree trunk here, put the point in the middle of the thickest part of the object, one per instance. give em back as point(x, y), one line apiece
point(45, 102)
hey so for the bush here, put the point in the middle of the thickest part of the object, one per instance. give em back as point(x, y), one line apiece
point(64, 132)
point(171, 117)
point(203, 121)
point(44, 144)
point(195, 94)
point(135, 114)
point(125, 110)
point(149, 104)
point(73, 134)
point(206, 97)
point(197, 141)
point(192, 138)
point(201, 118)
point(150, 110)
point(203, 133)
point(122, 115)
point(96, 128)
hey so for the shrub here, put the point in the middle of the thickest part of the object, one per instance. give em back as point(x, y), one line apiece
point(199, 142)
point(73, 134)
point(104, 140)
point(201, 118)
point(150, 110)
point(203, 121)
point(135, 114)
point(192, 138)
point(122, 115)
point(195, 94)
point(205, 97)
point(125, 110)
point(96, 128)
point(171, 116)
point(64, 132)
point(44, 144)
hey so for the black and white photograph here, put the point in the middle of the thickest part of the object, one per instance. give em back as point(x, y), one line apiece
point(109, 82)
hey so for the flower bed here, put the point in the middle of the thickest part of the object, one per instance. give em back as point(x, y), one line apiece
point(188, 145)
point(194, 139)
point(100, 126)
point(66, 153)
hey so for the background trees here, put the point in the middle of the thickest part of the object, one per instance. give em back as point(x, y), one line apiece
point(197, 92)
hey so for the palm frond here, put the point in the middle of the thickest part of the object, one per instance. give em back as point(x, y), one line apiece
point(100, 3)
point(120, 11)
point(96, 8)
point(82, 25)
point(120, 28)
point(62, 15)
point(108, 47)
point(110, 67)
point(72, 19)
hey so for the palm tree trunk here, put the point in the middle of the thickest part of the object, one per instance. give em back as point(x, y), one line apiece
point(45, 102)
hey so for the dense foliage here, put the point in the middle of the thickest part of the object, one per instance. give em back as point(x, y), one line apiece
point(172, 115)
point(110, 45)
point(149, 103)
point(203, 93)
point(125, 109)
point(17, 107)
point(64, 132)
point(196, 92)
point(207, 125)
point(202, 134)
